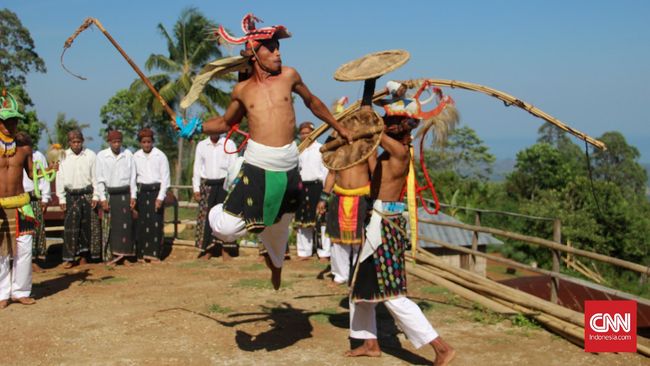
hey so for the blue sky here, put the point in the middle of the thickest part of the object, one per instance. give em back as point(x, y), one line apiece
point(584, 62)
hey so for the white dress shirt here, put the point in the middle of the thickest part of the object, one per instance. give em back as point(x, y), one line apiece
point(152, 168)
point(76, 172)
point(310, 163)
point(211, 161)
point(43, 185)
point(115, 171)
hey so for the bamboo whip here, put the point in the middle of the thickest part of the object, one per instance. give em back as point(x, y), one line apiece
point(511, 100)
point(324, 127)
point(85, 25)
point(545, 243)
point(461, 291)
point(481, 284)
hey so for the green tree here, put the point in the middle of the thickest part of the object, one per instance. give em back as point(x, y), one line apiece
point(619, 165)
point(465, 154)
point(188, 49)
point(62, 126)
point(17, 54)
point(539, 167)
point(17, 59)
point(31, 124)
point(123, 113)
point(560, 140)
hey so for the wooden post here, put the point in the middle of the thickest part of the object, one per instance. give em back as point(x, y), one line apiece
point(176, 221)
point(477, 222)
point(555, 281)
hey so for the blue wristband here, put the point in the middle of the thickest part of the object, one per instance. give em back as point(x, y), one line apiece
point(187, 130)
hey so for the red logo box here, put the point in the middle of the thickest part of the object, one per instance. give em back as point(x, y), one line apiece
point(610, 326)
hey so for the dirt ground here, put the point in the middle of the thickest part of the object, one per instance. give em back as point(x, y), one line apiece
point(193, 312)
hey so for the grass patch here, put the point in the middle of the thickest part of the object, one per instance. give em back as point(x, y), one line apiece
point(485, 316)
point(113, 280)
point(522, 321)
point(254, 267)
point(323, 315)
point(434, 290)
point(216, 308)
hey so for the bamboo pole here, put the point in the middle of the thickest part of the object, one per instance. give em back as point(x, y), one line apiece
point(511, 100)
point(509, 262)
point(545, 243)
point(460, 290)
point(483, 285)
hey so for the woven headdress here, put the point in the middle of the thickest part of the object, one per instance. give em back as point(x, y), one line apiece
point(9, 107)
point(252, 35)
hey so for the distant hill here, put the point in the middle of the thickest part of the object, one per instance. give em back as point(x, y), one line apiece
point(501, 168)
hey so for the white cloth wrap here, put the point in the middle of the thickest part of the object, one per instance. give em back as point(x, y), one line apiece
point(373, 232)
point(275, 159)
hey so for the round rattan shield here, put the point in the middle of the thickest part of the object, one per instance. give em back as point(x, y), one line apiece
point(372, 65)
point(366, 127)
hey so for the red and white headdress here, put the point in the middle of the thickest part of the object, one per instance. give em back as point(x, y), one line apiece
point(252, 35)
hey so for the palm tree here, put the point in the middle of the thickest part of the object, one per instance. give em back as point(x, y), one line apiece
point(62, 126)
point(189, 48)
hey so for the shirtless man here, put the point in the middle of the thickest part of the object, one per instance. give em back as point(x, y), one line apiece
point(386, 238)
point(16, 283)
point(351, 188)
point(266, 191)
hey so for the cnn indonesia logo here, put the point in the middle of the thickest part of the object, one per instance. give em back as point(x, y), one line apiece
point(610, 326)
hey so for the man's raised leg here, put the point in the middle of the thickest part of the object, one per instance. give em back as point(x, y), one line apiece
point(274, 238)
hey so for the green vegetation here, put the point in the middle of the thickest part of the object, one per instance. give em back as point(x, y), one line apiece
point(323, 315)
point(218, 309)
point(602, 207)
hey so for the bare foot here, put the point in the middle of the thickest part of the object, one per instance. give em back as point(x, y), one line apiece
point(4, 304)
point(324, 260)
point(444, 352)
point(68, 265)
point(206, 256)
point(36, 268)
point(115, 261)
point(226, 256)
point(276, 273)
point(83, 261)
point(302, 259)
point(369, 348)
point(24, 300)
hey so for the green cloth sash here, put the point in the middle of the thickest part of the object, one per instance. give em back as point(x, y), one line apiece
point(275, 186)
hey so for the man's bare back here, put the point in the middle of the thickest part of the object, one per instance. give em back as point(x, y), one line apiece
point(392, 168)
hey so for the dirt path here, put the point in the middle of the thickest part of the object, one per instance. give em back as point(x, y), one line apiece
point(189, 312)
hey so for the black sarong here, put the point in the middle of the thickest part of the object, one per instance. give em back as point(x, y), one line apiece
point(39, 247)
point(212, 193)
point(261, 197)
point(118, 228)
point(82, 229)
point(149, 233)
point(382, 276)
point(309, 197)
